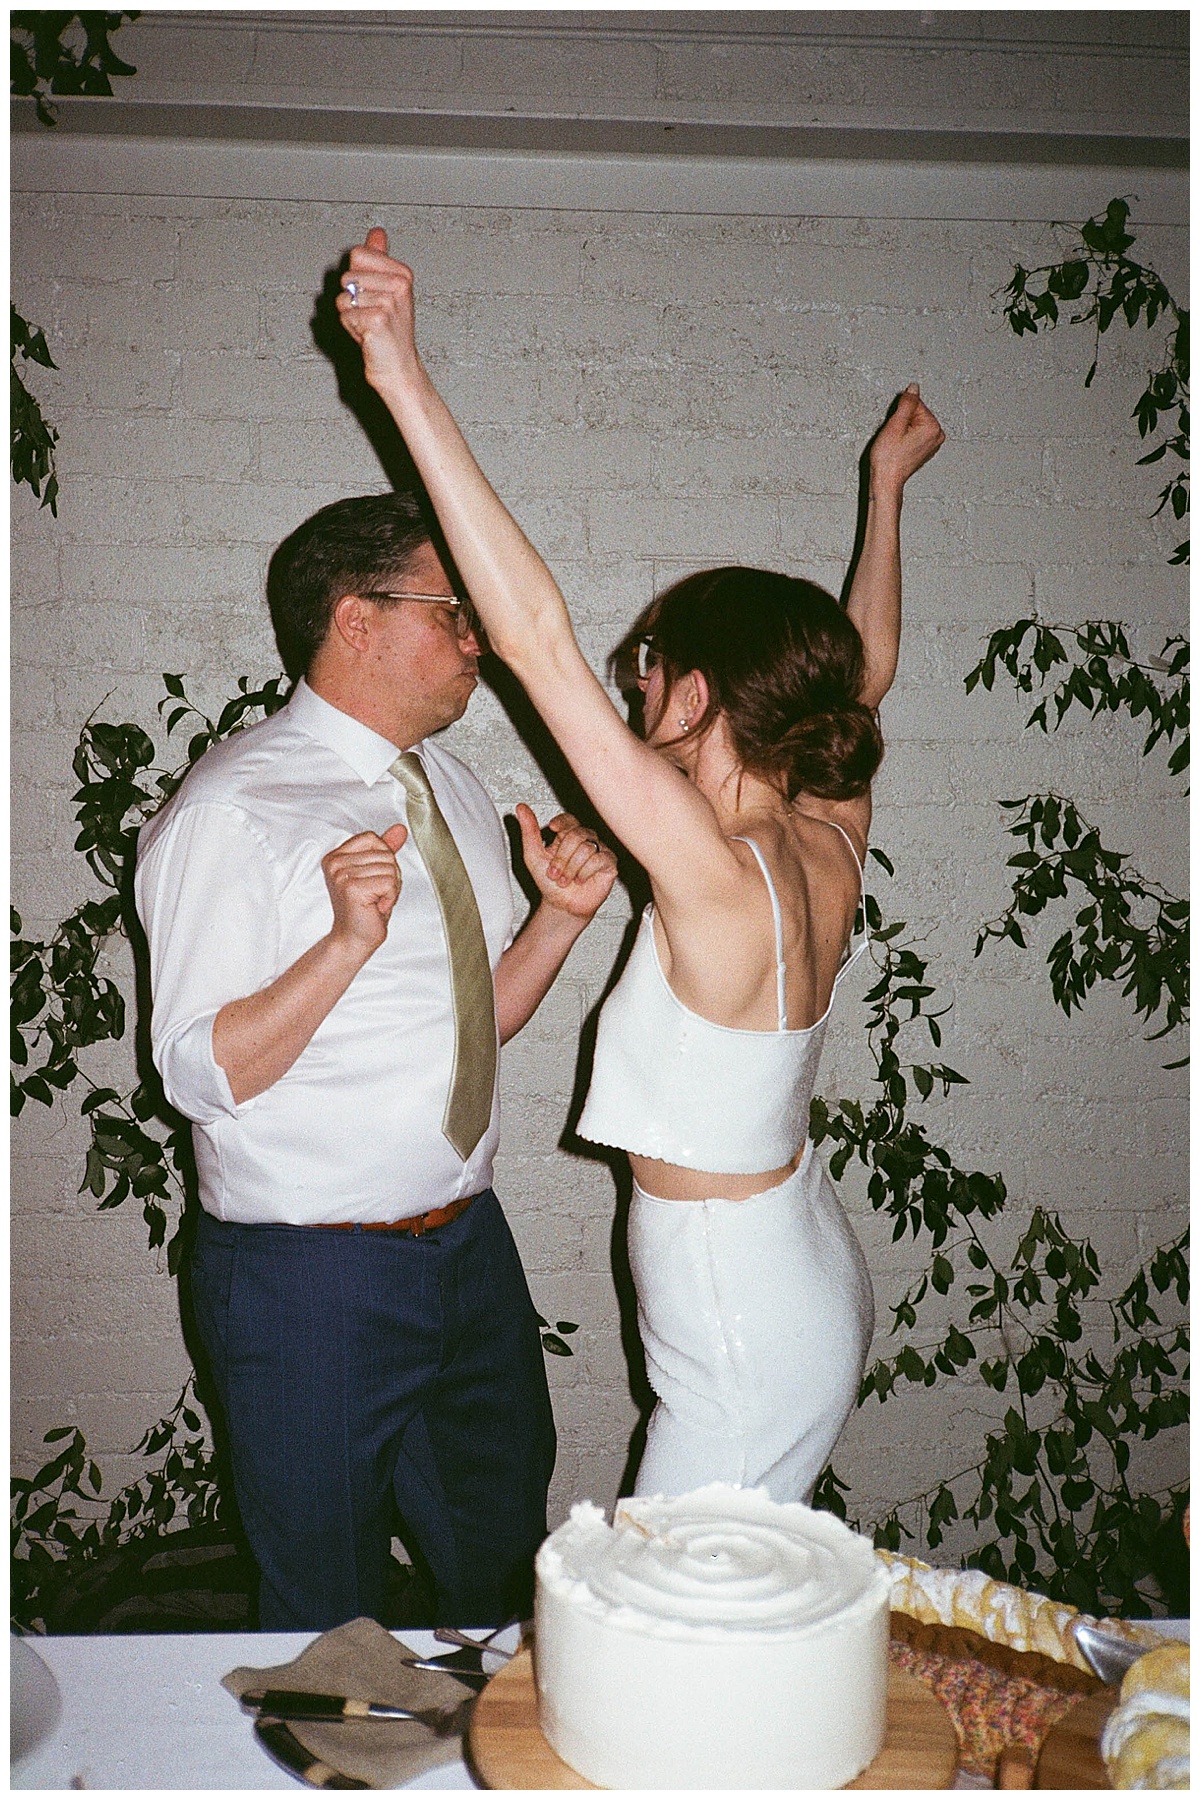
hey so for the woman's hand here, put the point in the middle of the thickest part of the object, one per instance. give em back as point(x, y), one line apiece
point(904, 443)
point(376, 308)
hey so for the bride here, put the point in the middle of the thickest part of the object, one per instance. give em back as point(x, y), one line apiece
point(747, 801)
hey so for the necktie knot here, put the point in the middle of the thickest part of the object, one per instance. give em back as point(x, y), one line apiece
point(409, 771)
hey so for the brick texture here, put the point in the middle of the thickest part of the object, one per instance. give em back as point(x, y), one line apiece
point(653, 392)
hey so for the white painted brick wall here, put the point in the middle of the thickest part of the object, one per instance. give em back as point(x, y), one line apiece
point(651, 392)
point(1082, 71)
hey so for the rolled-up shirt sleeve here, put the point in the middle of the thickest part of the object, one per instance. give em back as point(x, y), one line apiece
point(207, 895)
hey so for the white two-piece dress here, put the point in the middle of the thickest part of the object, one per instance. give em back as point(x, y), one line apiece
point(755, 1315)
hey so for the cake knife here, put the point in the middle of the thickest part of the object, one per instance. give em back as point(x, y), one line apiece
point(277, 1740)
point(287, 1703)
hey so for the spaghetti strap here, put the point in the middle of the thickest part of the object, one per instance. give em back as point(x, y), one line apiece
point(780, 970)
point(862, 873)
point(853, 948)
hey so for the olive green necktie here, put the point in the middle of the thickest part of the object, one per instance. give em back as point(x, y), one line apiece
point(469, 1104)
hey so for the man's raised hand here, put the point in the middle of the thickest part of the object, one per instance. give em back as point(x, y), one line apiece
point(905, 441)
point(363, 878)
point(376, 308)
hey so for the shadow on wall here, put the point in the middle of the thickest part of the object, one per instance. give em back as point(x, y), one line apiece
point(567, 790)
point(353, 390)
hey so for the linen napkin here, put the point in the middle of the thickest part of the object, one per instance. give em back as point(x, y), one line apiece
point(362, 1661)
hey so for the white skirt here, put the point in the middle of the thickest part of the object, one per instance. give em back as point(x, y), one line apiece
point(756, 1318)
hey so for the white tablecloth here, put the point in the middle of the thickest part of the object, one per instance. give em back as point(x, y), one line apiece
point(150, 1712)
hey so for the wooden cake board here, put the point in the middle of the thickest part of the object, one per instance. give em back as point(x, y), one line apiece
point(1070, 1756)
point(508, 1750)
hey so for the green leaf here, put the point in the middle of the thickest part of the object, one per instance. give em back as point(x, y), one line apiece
point(1076, 1493)
point(1069, 280)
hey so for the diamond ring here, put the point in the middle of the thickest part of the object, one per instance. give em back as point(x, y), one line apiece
point(352, 290)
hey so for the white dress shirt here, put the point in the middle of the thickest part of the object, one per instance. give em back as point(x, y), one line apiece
point(230, 891)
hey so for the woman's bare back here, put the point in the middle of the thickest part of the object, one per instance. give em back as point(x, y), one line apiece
point(721, 961)
point(724, 967)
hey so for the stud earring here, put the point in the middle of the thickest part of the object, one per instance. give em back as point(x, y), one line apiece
point(684, 726)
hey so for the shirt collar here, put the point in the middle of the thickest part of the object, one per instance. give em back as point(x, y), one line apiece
point(368, 754)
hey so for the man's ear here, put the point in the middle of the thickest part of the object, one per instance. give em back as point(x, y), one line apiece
point(352, 622)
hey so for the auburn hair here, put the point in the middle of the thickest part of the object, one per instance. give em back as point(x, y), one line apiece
point(784, 664)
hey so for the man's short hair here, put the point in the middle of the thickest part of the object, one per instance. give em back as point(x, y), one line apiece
point(346, 548)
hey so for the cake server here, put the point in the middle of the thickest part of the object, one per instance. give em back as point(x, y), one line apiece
point(450, 1634)
point(1107, 1656)
point(465, 1665)
point(475, 1661)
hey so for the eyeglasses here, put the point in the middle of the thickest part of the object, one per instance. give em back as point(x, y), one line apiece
point(646, 657)
point(466, 620)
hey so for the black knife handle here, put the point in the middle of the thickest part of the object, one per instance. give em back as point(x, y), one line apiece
point(290, 1704)
point(287, 1749)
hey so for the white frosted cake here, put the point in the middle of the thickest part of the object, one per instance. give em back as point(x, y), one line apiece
point(718, 1640)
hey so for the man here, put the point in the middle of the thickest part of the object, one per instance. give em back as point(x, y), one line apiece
point(328, 908)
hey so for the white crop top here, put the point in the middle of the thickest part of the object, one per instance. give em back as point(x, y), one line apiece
point(670, 1084)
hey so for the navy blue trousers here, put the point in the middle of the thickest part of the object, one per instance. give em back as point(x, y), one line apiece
point(365, 1374)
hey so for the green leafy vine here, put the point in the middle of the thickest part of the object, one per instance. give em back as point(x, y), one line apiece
point(55, 1544)
point(31, 439)
point(1129, 930)
point(1105, 677)
point(1108, 285)
point(62, 1004)
point(1049, 1511)
point(63, 53)
point(50, 53)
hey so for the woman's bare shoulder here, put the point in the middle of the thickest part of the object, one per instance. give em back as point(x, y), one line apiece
point(828, 878)
point(826, 834)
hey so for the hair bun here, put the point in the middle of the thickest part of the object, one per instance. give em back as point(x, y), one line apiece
point(831, 754)
point(784, 667)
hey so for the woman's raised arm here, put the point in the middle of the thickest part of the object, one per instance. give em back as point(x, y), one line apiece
point(903, 443)
point(661, 819)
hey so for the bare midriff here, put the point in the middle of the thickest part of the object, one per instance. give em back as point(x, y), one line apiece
point(667, 1181)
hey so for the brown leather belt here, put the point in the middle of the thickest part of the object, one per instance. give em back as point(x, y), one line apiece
point(423, 1222)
